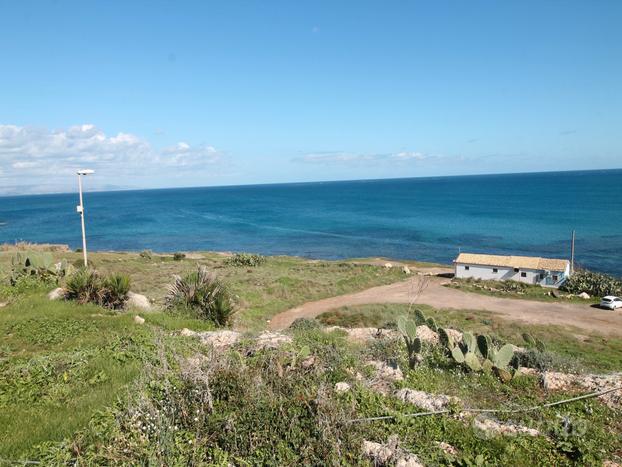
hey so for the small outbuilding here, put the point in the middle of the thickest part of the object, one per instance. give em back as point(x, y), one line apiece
point(547, 272)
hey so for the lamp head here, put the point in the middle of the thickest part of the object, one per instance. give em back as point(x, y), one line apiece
point(85, 172)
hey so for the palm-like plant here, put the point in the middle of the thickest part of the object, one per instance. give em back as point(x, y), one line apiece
point(203, 294)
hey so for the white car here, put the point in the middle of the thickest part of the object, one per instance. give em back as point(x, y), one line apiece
point(610, 302)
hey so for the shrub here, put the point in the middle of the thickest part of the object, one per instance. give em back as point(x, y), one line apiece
point(245, 260)
point(87, 286)
point(305, 324)
point(83, 286)
point(146, 254)
point(178, 256)
point(115, 289)
point(203, 294)
point(592, 283)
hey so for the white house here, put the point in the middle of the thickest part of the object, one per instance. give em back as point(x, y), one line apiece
point(531, 270)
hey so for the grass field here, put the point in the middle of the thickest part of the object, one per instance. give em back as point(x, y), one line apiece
point(580, 349)
point(280, 283)
point(513, 289)
point(80, 384)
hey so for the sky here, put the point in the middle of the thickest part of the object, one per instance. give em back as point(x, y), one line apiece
point(198, 93)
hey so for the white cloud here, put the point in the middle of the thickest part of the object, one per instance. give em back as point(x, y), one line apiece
point(29, 152)
point(346, 158)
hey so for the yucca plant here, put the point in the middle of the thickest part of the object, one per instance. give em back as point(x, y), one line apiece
point(114, 291)
point(88, 286)
point(84, 286)
point(203, 294)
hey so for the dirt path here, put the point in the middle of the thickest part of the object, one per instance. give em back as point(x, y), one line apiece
point(528, 311)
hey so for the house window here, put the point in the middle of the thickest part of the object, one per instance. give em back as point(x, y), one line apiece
point(495, 270)
point(555, 277)
point(466, 268)
point(523, 274)
point(541, 275)
point(515, 269)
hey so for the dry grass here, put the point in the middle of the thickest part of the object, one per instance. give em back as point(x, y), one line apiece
point(27, 246)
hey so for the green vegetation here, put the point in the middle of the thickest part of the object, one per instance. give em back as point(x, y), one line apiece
point(515, 289)
point(202, 295)
point(245, 260)
point(81, 384)
point(408, 329)
point(566, 348)
point(593, 283)
point(39, 265)
point(280, 283)
point(88, 286)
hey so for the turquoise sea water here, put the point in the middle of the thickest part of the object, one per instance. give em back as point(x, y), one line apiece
point(428, 219)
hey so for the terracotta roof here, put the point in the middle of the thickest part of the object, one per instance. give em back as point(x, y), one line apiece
point(525, 262)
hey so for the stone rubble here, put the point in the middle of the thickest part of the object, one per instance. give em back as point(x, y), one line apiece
point(556, 381)
point(390, 454)
point(57, 294)
point(218, 339)
point(342, 386)
point(496, 427)
point(424, 400)
point(138, 301)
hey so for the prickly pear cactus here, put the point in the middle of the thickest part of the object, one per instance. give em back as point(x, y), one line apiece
point(445, 339)
point(420, 318)
point(431, 324)
point(503, 356)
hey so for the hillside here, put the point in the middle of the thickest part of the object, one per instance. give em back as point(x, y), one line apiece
point(83, 383)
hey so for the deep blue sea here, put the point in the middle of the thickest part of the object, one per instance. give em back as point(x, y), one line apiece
point(429, 219)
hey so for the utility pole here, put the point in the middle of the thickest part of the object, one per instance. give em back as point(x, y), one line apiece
point(80, 209)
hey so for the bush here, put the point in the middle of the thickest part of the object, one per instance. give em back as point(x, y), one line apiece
point(87, 286)
point(245, 260)
point(203, 294)
point(146, 254)
point(305, 325)
point(115, 289)
point(178, 256)
point(592, 283)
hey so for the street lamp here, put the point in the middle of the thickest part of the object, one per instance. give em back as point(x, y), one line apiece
point(80, 210)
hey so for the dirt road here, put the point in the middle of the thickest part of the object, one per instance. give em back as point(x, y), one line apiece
point(528, 311)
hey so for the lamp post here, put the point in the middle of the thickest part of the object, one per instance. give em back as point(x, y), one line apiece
point(80, 210)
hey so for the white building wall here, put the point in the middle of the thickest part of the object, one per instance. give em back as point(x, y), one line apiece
point(532, 276)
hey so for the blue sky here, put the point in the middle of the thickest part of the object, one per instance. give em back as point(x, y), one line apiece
point(181, 93)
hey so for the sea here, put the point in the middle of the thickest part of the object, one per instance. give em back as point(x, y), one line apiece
point(425, 219)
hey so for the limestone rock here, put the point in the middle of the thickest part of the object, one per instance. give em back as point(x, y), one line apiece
point(386, 372)
point(342, 386)
point(139, 320)
point(3, 304)
point(272, 340)
point(584, 295)
point(388, 265)
point(57, 294)
point(496, 427)
point(405, 269)
point(217, 339)
point(138, 301)
point(430, 402)
point(390, 454)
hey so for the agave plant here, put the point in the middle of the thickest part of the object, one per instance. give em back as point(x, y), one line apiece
point(202, 293)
